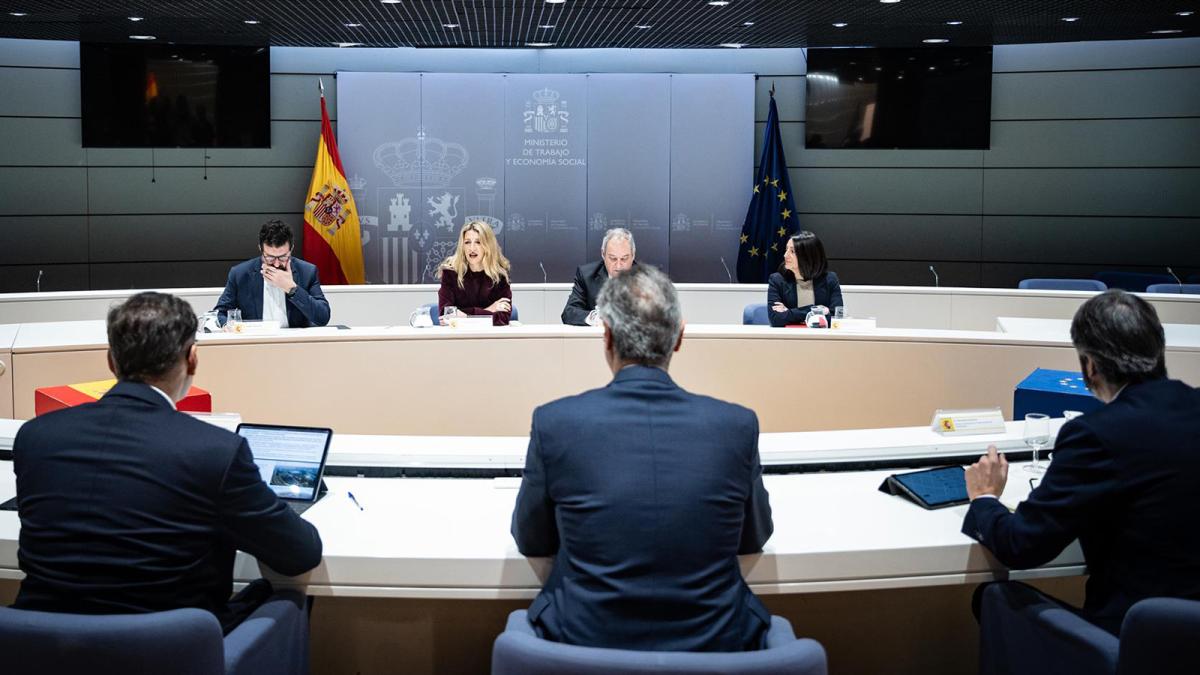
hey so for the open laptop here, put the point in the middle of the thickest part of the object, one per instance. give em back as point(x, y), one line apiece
point(290, 459)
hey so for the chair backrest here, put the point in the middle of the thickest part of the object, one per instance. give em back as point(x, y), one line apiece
point(755, 314)
point(1062, 285)
point(519, 651)
point(1192, 289)
point(1135, 282)
point(1159, 636)
point(179, 641)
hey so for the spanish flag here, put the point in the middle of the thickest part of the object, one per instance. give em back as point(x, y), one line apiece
point(332, 239)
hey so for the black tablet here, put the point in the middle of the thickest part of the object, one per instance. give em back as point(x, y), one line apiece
point(934, 488)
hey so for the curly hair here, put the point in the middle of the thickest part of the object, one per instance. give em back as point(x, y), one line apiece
point(149, 334)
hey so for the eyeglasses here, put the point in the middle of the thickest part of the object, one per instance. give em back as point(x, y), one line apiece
point(276, 258)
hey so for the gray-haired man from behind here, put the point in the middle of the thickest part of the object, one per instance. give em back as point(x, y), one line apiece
point(646, 525)
point(618, 252)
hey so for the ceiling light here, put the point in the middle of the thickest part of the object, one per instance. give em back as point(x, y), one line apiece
point(346, 44)
point(934, 41)
point(539, 44)
point(953, 23)
point(1188, 13)
point(1070, 19)
point(252, 22)
point(546, 26)
point(718, 3)
point(352, 25)
point(747, 23)
point(135, 18)
point(555, 2)
point(1171, 31)
point(733, 45)
point(142, 37)
point(643, 26)
point(840, 25)
point(17, 14)
point(451, 25)
point(889, 2)
point(390, 2)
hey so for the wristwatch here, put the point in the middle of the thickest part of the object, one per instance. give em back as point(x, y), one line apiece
point(292, 292)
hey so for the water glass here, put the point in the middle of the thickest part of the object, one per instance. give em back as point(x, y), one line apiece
point(1037, 437)
point(233, 321)
point(448, 312)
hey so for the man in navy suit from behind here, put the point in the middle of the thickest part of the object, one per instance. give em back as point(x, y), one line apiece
point(275, 284)
point(129, 506)
point(645, 494)
point(1125, 480)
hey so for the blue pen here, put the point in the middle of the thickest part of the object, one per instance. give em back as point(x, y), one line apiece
point(351, 496)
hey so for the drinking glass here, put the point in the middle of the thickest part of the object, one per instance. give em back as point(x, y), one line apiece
point(233, 321)
point(1037, 437)
point(839, 312)
point(448, 312)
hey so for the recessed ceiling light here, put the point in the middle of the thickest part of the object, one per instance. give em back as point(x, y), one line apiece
point(1170, 31)
point(346, 44)
point(555, 2)
point(953, 23)
point(718, 3)
point(547, 26)
point(252, 22)
point(142, 37)
point(1070, 19)
point(18, 14)
point(733, 45)
point(1188, 13)
point(643, 26)
point(352, 25)
point(451, 25)
point(135, 18)
point(747, 23)
point(840, 25)
point(539, 44)
point(933, 67)
point(934, 41)
point(889, 2)
point(390, 2)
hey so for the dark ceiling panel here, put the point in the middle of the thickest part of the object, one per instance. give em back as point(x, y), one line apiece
point(599, 23)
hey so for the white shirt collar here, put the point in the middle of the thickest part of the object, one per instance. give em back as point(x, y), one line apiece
point(164, 395)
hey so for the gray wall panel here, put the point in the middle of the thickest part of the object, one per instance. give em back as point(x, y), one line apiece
point(43, 239)
point(161, 274)
point(904, 273)
point(1104, 94)
point(51, 191)
point(39, 92)
point(183, 190)
point(1093, 192)
point(789, 98)
point(1096, 55)
point(1093, 241)
point(896, 237)
point(41, 141)
point(297, 97)
point(1088, 143)
point(370, 59)
point(45, 53)
point(293, 144)
point(194, 237)
point(769, 61)
point(940, 191)
point(23, 278)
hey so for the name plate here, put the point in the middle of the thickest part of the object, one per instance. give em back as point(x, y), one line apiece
point(848, 323)
point(967, 422)
point(469, 322)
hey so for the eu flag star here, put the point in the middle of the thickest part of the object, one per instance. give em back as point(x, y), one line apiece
point(753, 251)
point(766, 180)
point(782, 196)
point(775, 246)
point(755, 189)
point(775, 183)
point(782, 231)
point(786, 214)
point(745, 239)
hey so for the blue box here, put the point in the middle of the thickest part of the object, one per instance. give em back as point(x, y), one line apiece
point(1051, 392)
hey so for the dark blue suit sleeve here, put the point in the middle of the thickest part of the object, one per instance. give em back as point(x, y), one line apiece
point(1073, 491)
point(229, 296)
point(534, 527)
point(775, 293)
point(576, 311)
point(835, 292)
point(310, 301)
point(260, 524)
point(757, 525)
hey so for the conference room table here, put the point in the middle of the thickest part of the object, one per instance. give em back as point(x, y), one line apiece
point(398, 380)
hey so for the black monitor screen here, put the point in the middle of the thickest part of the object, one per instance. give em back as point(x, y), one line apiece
point(938, 97)
point(136, 95)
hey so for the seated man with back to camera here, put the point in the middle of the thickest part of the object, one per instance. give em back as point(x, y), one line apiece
point(275, 285)
point(645, 494)
point(617, 254)
point(803, 281)
point(129, 506)
point(1125, 480)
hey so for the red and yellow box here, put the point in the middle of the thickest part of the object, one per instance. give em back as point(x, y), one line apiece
point(49, 399)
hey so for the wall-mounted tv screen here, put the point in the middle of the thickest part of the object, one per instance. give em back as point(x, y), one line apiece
point(937, 97)
point(181, 96)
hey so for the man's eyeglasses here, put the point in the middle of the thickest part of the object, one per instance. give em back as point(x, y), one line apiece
point(276, 258)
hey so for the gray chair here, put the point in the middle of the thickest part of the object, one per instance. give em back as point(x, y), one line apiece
point(755, 314)
point(1025, 632)
point(433, 313)
point(519, 651)
point(1190, 289)
point(1062, 285)
point(274, 639)
point(1134, 282)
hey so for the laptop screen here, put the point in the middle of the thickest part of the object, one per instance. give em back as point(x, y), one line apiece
point(290, 459)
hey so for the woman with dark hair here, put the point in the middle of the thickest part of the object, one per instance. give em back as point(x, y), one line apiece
point(803, 281)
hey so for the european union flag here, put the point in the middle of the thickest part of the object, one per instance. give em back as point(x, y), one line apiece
point(771, 218)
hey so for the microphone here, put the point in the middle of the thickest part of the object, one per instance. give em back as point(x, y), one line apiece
point(424, 271)
point(936, 283)
point(39, 280)
point(726, 269)
point(545, 277)
point(1172, 273)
